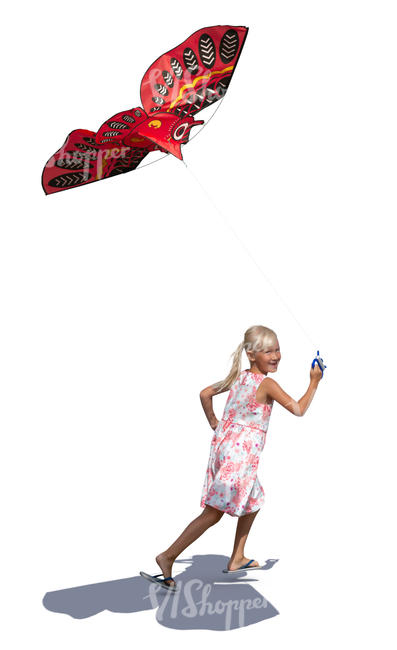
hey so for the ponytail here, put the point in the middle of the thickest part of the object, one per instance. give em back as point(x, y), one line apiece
point(256, 338)
point(234, 371)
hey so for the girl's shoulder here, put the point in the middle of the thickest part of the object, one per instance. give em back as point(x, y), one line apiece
point(262, 392)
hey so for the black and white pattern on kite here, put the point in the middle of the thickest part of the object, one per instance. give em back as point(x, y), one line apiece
point(196, 100)
point(181, 111)
point(128, 118)
point(111, 134)
point(207, 51)
point(89, 140)
point(129, 161)
point(222, 85)
point(89, 154)
point(74, 161)
point(203, 97)
point(190, 60)
point(177, 68)
point(229, 45)
point(161, 89)
point(210, 95)
point(168, 78)
point(117, 125)
point(85, 147)
point(70, 180)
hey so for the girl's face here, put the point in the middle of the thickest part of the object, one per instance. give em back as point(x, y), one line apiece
point(267, 360)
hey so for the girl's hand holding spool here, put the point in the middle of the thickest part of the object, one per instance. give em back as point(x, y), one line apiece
point(318, 367)
point(316, 373)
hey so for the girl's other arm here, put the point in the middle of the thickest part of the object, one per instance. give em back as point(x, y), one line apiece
point(299, 408)
point(206, 396)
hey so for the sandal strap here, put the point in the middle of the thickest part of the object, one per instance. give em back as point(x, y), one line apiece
point(245, 565)
point(163, 579)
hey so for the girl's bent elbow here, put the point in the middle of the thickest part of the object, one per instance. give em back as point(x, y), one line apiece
point(296, 410)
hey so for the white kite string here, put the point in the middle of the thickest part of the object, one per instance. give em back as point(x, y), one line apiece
point(210, 199)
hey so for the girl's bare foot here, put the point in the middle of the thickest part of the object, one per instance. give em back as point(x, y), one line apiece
point(165, 563)
point(236, 563)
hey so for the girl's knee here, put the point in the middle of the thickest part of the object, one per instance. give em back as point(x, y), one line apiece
point(212, 514)
point(218, 517)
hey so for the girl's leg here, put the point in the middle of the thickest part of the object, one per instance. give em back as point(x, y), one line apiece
point(207, 518)
point(238, 558)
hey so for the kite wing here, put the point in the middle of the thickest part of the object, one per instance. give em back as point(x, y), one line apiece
point(177, 85)
point(195, 74)
point(87, 156)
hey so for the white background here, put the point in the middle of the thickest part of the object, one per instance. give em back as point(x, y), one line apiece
point(121, 300)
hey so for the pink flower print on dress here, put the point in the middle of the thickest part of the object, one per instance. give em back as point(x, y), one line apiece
point(242, 494)
point(247, 446)
point(234, 456)
point(253, 460)
point(245, 482)
point(235, 440)
point(226, 471)
point(237, 482)
point(211, 492)
point(252, 504)
point(236, 498)
point(232, 413)
point(252, 404)
point(238, 466)
point(261, 444)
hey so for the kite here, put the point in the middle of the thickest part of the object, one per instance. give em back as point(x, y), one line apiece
point(179, 84)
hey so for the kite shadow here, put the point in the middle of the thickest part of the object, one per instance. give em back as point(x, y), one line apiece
point(206, 599)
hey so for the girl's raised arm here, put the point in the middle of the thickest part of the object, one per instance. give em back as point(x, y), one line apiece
point(299, 408)
point(206, 396)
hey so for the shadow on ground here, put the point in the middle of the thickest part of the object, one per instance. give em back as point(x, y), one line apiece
point(207, 598)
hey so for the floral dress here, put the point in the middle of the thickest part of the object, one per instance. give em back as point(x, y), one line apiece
point(231, 483)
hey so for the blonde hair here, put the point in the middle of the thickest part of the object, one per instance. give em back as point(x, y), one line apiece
point(256, 339)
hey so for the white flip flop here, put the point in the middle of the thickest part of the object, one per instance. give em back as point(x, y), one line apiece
point(159, 581)
point(243, 568)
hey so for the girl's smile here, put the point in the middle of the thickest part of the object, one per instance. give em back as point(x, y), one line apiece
point(266, 360)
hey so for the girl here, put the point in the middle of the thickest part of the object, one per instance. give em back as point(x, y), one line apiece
point(231, 484)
